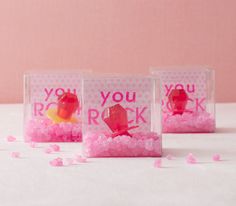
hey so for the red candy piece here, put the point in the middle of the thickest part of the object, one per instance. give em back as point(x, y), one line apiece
point(67, 105)
point(116, 119)
point(178, 100)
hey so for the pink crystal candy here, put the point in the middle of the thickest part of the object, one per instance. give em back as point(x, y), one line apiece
point(56, 162)
point(188, 122)
point(157, 163)
point(216, 157)
point(190, 159)
point(55, 147)
point(11, 139)
point(169, 157)
point(15, 154)
point(39, 131)
point(67, 127)
point(48, 150)
point(116, 119)
point(140, 144)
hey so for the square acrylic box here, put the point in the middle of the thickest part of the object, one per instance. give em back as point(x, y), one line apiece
point(121, 116)
point(52, 106)
point(187, 99)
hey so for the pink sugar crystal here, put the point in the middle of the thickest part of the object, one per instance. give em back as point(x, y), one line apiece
point(15, 154)
point(44, 130)
point(58, 162)
point(11, 139)
point(188, 122)
point(169, 157)
point(55, 147)
point(157, 163)
point(190, 159)
point(141, 144)
point(216, 157)
point(48, 150)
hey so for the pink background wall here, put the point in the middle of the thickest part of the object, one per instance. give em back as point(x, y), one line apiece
point(116, 36)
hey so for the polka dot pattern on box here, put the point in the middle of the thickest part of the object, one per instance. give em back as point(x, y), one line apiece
point(42, 120)
point(118, 88)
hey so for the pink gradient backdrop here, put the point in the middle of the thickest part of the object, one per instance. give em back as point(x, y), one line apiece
point(116, 36)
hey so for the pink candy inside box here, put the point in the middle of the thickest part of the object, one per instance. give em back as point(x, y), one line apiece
point(187, 99)
point(121, 117)
point(42, 117)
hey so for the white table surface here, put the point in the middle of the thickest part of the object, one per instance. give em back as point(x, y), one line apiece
point(30, 180)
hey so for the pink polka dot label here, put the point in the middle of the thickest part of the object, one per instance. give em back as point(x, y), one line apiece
point(121, 116)
point(42, 93)
point(187, 99)
point(45, 88)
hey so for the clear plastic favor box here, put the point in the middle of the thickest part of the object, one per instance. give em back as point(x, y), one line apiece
point(121, 116)
point(187, 99)
point(52, 106)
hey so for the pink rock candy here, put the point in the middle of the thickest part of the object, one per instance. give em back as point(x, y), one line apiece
point(216, 157)
point(190, 159)
point(169, 157)
point(48, 150)
point(11, 139)
point(141, 144)
point(15, 154)
point(188, 122)
point(58, 162)
point(157, 163)
point(44, 130)
point(55, 147)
